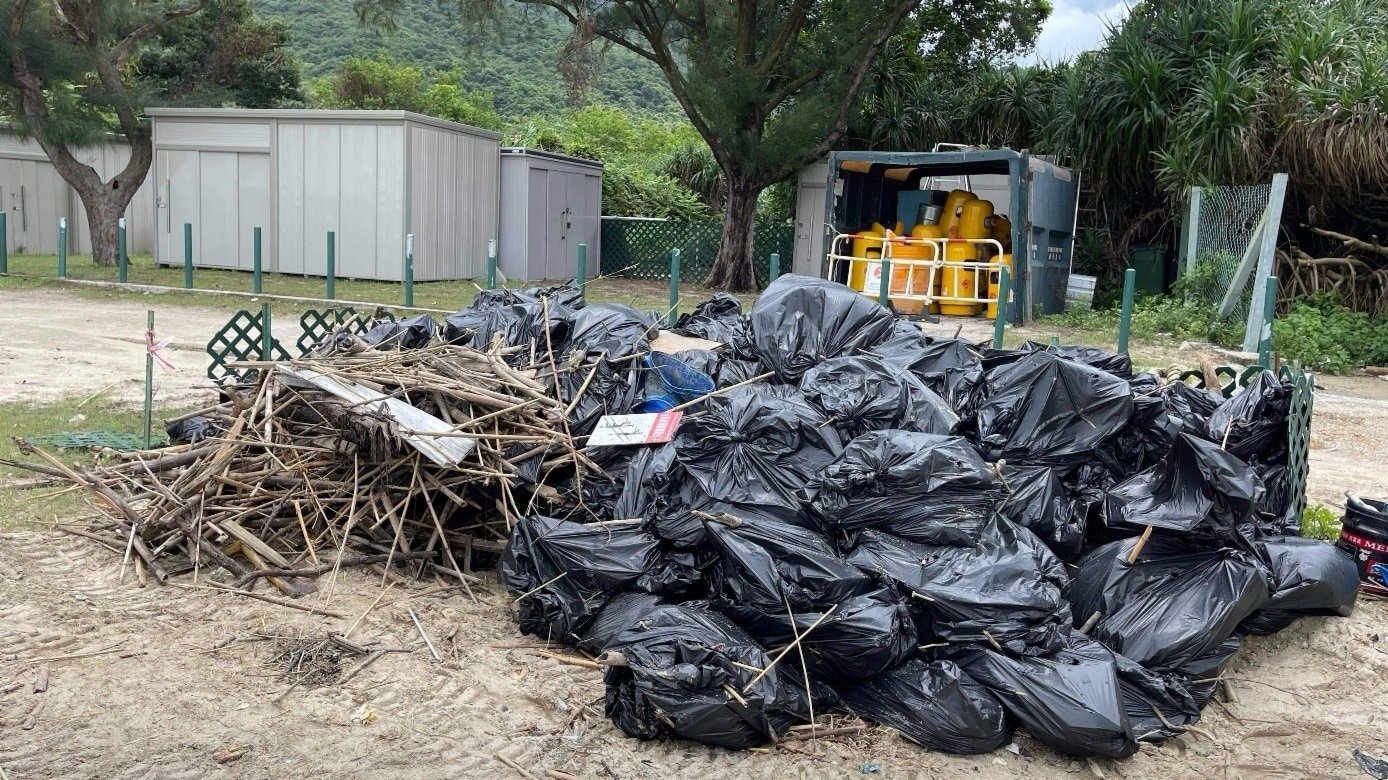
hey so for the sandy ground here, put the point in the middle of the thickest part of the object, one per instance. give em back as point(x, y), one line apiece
point(151, 682)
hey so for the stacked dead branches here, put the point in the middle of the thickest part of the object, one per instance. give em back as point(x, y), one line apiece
point(323, 463)
point(1357, 274)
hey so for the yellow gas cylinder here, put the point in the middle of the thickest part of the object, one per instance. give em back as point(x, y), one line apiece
point(950, 220)
point(866, 245)
point(1002, 231)
point(956, 282)
point(974, 217)
point(995, 283)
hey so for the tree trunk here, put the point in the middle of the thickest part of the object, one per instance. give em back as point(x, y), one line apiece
point(103, 215)
point(105, 201)
point(732, 269)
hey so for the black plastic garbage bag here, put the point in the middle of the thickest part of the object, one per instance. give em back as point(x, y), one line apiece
point(411, 333)
point(1202, 673)
point(932, 704)
point(1191, 405)
point(848, 640)
point(720, 319)
point(1150, 700)
point(950, 367)
point(755, 449)
point(620, 614)
point(705, 361)
point(1116, 363)
point(1177, 603)
point(918, 486)
point(1253, 424)
point(682, 666)
point(860, 394)
point(1144, 441)
point(611, 329)
point(613, 389)
point(191, 430)
point(1036, 499)
point(1310, 577)
point(564, 572)
point(735, 371)
point(1069, 701)
point(774, 566)
point(1046, 410)
point(1197, 483)
point(568, 294)
point(800, 321)
point(1006, 588)
point(511, 325)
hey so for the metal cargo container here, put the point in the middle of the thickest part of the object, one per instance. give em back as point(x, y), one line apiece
point(1039, 197)
point(34, 197)
point(550, 203)
point(372, 177)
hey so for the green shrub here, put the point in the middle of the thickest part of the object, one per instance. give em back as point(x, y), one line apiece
point(1319, 522)
point(1325, 336)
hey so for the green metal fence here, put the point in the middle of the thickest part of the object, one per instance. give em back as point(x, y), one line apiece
point(639, 248)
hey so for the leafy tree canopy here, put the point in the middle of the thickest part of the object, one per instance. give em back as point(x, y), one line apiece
point(382, 83)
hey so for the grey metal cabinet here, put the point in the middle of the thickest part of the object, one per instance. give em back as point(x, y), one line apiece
point(550, 203)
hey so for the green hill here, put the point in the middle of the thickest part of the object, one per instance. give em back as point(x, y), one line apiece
point(514, 59)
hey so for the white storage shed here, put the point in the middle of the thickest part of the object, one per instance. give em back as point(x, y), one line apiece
point(35, 197)
point(550, 203)
point(372, 177)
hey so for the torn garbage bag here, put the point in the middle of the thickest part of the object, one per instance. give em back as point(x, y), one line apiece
point(800, 321)
point(1310, 577)
point(1004, 589)
point(860, 394)
point(1179, 601)
point(918, 486)
point(755, 449)
point(1157, 706)
point(1046, 410)
point(848, 640)
point(688, 673)
point(562, 572)
point(1196, 483)
point(1037, 500)
point(1253, 424)
point(932, 704)
point(1070, 701)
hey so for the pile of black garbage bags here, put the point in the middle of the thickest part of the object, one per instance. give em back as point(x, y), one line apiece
point(931, 534)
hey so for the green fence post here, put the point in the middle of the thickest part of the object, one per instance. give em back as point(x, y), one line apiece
point(673, 313)
point(257, 262)
point(491, 264)
point(149, 378)
point(583, 268)
point(775, 270)
point(1125, 315)
point(187, 255)
point(1269, 312)
point(267, 342)
point(332, 265)
point(4, 245)
point(1000, 321)
point(62, 248)
point(409, 269)
point(884, 292)
point(122, 256)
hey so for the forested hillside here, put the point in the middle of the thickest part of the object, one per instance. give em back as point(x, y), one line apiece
point(514, 59)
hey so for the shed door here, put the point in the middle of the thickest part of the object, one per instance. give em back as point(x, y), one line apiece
point(557, 216)
point(534, 260)
point(809, 229)
point(178, 203)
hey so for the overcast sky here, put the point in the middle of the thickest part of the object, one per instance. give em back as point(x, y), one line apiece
point(1075, 25)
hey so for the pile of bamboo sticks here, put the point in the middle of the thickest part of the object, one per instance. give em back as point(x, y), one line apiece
point(327, 462)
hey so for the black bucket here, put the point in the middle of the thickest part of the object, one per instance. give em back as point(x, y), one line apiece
point(1364, 535)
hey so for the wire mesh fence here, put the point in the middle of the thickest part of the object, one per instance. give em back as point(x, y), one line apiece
point(638, 248)
point(1228, 221)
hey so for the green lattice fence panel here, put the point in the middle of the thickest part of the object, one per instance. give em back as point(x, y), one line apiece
point(316, 324)
point(1299, 435)
point(638, 248)
point(93, 440)
point(239, 339)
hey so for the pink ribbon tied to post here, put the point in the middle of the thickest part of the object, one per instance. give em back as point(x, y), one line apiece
point(156, 347)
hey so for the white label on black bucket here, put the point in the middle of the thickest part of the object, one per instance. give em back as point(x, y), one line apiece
point(617, 430)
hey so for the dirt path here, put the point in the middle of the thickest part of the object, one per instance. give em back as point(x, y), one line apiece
point(169, 684)
point(55, 345)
